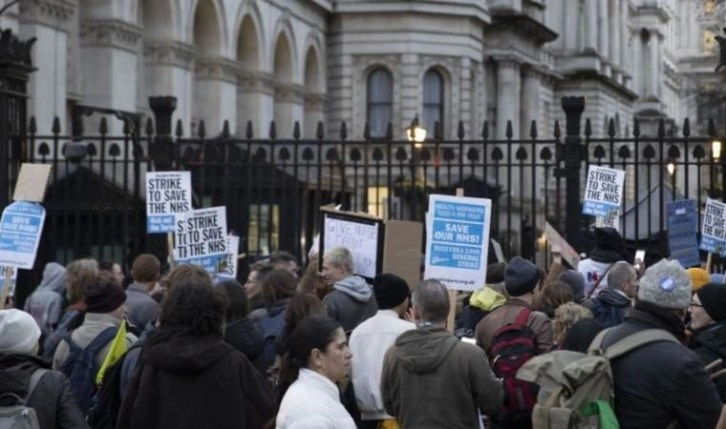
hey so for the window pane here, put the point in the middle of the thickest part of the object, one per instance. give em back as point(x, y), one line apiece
point(380, 101)
point(433, 108)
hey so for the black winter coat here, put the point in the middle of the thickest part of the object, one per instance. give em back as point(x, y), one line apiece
point(52, 399)
point(663, 381)
point(247, 338)
point(709, 344)
point(609, 308)
point(195, 382)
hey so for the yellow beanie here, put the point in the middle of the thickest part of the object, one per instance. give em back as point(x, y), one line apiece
point(699, 278)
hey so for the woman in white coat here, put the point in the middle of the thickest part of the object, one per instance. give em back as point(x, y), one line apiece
point(319, 353)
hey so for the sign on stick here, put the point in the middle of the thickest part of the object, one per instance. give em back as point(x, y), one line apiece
point(682, 230)
point(200, 238)
point(168, 193)
point(603, 191)
point(713, 229)
point(20, 228)
point(362, 235)
point(228, 265)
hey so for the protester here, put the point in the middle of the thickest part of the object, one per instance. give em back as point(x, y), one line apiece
point(284, 261)
point(699, 278)
point(104, 302)
point(661, 382)
point(189, 376)
point(311, 281)
point(253, 289)
point(278, 286)
point(370, 341)
point(565, 318)
point(45, 304)
point(301, 306)
point(26, 376)
point(581, 334)
point(520, 279)
point(548, 298)
point(483, 301)
point(351, 300)
point(622, 287)
point(576, 281)
point(113, 268)
point(79, 274)
point(708, 324)
point(609, 249)
point(239, 330)
point(431, 379)
point(141, 308)
point(320, 358)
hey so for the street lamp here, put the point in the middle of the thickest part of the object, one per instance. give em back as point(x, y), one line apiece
point(716, 149)
point(671, 167)
point(415, 133)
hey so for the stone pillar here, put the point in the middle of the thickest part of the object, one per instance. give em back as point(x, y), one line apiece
point(255, 102)
point(314, 113)
point(571, 27)
point(637, 55)
point(653, 76)
point(529, 100)
point(603, 28)
point(50, 23)
point(168, 69)
point(616, 28)
point(289, 101)
point(508, 98)
point(215, 93)
point(624, 32)
point(591, 15)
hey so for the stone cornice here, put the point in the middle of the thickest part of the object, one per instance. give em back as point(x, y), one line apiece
point(52, 13)
point(289, 93)
point(249, 81)
point(221, 69)
point(525, 25)
point(169, 53)
point(111, 33)
point(315, 100)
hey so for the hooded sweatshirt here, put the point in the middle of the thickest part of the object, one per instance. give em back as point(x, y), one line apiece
point(609, 249)
point(610, 306)
point(432, 380)
point(189, 382)
point(46, 303)
point(351, 302)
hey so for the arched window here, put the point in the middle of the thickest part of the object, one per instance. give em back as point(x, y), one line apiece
point(380, 101)
point(433, 101)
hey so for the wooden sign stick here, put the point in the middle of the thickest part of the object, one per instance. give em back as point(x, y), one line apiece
point(709, 261)
point(6, 287)
point(451, 318)
point(170, 249)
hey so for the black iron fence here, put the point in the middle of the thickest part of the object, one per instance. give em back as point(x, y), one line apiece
point(273, 185)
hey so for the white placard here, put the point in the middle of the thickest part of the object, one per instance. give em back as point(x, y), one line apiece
point(200, 237)
point(603, 191)
point(21, 226)
point(358, 236)
point(228, 269)
point(168, 193)
point(457, 241)
point(713, 229)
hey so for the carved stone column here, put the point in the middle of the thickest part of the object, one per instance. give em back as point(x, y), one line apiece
point(255, 102)
point(169, 70)
point(215, 93)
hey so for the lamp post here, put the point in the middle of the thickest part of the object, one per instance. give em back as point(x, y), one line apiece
point(415, 133)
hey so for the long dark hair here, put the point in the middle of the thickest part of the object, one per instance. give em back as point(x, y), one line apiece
point(314, 332)
point(239, 306)
point(194, 308)
point(277, 285)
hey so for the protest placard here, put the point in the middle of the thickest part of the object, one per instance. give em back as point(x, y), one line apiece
point(361, 234)
point(200, 238)
point(682, 230)
point(20, 228)
point(228, 265)
point(603, 191)
point(713, 229)
point(168, 193)
point(457, 241)
point(554, 238)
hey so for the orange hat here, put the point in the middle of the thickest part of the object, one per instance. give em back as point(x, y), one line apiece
point(699, 278)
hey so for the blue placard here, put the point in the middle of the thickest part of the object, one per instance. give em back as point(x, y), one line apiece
point(682, 230)
point(20, 228)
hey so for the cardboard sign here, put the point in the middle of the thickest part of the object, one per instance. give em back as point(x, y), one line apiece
point(682, 230)
point(20, 228)
point(457, 241)
point(554, 238)
point(13, 280)
point(168, 193)
point(32, 182)
point(228, 265)
point(362, 235)
point(713, 229)
point(603, 191)
point(200, 238)
point(498, 250)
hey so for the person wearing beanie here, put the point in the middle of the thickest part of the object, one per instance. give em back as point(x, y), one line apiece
point(576, 281)
point(699, 278)
point(661, 382)
point(521, 278)
point(708, 325)
point(50, 396)
point(609, 249)
point(104, 301)
point(370, 341)
point(483, 301)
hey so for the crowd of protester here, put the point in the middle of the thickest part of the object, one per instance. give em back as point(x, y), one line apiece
point(324, 348)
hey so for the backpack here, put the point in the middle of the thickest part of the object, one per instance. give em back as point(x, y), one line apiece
point(104, 412)
point(513, 345)
point(81, 367)
point(576, 389)
point(20, 416)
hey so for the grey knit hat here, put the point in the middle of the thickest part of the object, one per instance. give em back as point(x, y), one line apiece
point(521, 276)
point(576, 281)
point(667, 285)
